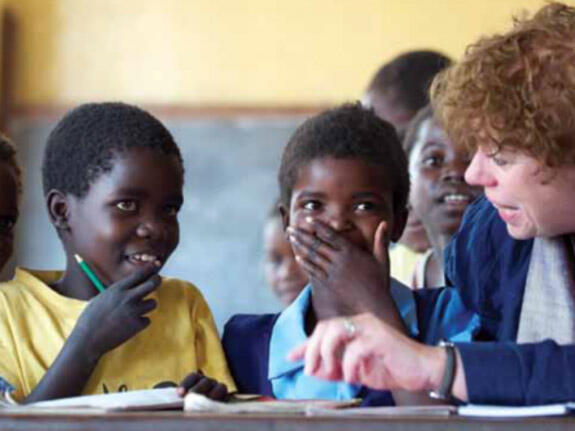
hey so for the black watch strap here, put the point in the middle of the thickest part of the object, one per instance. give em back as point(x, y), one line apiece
point(446, 386)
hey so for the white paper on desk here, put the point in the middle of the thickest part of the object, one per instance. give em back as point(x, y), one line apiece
point(385, 411)
point(147, 399)
point(199, 403)
point(476, 410)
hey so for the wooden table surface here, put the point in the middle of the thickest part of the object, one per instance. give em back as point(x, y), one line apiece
point(168, 421)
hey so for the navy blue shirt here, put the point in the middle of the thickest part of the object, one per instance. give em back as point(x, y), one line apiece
point(489, 269)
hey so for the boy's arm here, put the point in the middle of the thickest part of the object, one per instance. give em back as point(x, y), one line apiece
point(69, 373)
point(109, 320)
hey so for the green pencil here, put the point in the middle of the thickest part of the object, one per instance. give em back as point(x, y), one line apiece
point(90, 274)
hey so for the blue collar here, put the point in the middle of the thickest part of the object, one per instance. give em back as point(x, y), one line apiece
point(287, 333)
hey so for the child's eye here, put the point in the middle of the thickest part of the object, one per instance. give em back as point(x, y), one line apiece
point(432, 161)
point(365, 206)
point(172, 210)
point(127, 206)
point(312, 205)
point(274, 259)
point(7, 225)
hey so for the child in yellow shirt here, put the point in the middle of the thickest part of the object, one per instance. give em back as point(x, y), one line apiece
point(113, 179)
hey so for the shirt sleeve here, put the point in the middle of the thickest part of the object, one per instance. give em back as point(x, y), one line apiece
point(442, 315)
point(210, 355)
point(519, 374)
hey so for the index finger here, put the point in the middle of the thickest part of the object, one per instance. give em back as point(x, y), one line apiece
point(326, 233)
point(136, 278)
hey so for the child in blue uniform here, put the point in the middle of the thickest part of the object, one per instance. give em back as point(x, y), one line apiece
point(343, 171)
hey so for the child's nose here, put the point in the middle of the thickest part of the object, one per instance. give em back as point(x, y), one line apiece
point(339, 220)
point(152, 228)
point(454, 171)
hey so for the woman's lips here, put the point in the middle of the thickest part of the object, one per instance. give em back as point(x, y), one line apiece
point(507, 213)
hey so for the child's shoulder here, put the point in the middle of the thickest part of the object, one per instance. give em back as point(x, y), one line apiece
point(180, 287)
point(243, 325)
point(26, 282)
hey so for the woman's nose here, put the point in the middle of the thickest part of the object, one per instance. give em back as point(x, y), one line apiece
point(478, 172)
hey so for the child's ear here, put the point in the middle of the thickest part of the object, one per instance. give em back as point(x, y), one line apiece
point(285, 215)
point(399, 222)
point(58, 209)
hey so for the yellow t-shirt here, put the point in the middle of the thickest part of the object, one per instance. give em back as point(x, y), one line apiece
point(35, 322)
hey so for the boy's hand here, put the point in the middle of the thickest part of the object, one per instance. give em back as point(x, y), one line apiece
point(117, 314)
point(358, 280)
point(200, 384)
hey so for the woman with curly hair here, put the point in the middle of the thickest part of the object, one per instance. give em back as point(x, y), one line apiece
point(511, 100)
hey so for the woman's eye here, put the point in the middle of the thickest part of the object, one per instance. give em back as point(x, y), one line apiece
point(127, 206)
point(499, 161)
point(311, 205)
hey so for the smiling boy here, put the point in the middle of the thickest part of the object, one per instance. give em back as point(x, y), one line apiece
point(342, 172)
point(113, 179)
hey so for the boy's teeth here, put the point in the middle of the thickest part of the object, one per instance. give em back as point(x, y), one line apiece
point(456, 198)
point(145, 257)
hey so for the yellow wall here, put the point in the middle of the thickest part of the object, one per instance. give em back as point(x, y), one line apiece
point(218, 52)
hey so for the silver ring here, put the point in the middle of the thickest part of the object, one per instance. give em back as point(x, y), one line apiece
point(350, 328)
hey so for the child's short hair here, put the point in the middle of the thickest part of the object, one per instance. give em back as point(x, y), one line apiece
point(515, 90)
point(413, 129)
point(349, 131)
point(84, 143)
point(406, 79)
point(8, 156)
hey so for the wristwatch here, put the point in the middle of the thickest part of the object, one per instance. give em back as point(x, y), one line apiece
point(444, 392)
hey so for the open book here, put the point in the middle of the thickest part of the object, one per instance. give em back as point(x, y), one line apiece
point(168, 398)
point(147, 399)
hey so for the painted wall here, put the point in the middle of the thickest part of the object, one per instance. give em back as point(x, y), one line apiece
point(249, 52)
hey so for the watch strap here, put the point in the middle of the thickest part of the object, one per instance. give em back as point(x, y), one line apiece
point(444, 391)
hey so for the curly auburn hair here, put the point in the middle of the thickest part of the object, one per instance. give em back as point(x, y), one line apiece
point(515, 91)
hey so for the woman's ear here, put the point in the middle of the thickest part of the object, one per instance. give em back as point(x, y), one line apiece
point(285, 215)
point(58, 209)
point(399, 222)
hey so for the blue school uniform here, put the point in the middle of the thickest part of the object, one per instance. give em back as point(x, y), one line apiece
point(256, 348)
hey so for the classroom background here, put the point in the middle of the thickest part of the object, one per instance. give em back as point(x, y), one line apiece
point(231, 80)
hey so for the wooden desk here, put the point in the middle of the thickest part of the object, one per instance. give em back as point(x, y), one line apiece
point(172, 421)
